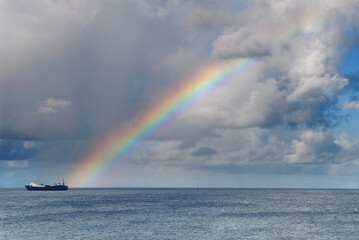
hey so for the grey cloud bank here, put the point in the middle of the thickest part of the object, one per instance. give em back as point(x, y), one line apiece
point(71, 71)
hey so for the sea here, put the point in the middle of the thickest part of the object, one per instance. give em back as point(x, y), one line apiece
point(179, 214)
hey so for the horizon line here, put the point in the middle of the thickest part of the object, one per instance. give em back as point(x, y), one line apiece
point(274, 188)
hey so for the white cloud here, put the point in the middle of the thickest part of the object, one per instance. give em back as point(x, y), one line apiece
point(312, 71)
point(53, 105)
point(29, 144)
point(351, 105)
point(314, 88)
point(313, 147)
point(343, 140)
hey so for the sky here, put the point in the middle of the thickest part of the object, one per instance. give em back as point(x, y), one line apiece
point(72, 73)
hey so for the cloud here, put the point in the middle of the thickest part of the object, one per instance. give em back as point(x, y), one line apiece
point(29, 144)
point(109, 62)
point(241, 44)
point(17, 150)
point(107, 81)
point(204, 151)
point(125, 70)
point(15, 164)
point(313, 147)
point(258, 151)
point(203, 16)
point(351, 105)
point(312, 89)
point(53, 105)
point(344, 141)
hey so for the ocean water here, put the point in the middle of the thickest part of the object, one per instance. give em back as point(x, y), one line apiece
point(179, 214)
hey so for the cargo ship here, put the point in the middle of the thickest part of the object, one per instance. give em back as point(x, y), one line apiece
point(34, 186)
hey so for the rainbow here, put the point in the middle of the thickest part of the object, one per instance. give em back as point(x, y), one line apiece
point(120, 144)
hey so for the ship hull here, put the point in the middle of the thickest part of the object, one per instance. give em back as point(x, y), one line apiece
point(47, 188)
